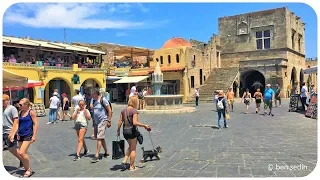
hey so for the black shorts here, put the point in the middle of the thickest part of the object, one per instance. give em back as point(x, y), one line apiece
point(258, 101)
point(7, 142)
point(66, 108)
point(25, 138)
point(128, 133)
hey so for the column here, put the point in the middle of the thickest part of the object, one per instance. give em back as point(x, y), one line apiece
point(185, 85)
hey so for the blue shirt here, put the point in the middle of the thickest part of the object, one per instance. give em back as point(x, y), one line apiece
point(99, 112)
point(25, 125)
point(268, 94)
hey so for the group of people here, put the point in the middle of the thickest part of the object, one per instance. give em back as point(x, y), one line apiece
point(20, 125)
point(141, 94)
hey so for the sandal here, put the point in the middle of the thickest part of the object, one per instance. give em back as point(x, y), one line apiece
point(28, 173)
point(134, 168)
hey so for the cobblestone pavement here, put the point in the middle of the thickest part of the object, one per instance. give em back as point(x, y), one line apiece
point(253, 146)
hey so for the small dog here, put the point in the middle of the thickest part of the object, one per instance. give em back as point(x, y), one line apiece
point(151, 153)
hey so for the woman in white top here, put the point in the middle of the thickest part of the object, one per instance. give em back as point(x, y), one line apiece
point(81, 115)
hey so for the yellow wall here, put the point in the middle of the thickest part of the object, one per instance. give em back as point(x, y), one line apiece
point(33, 72)
point(172, 52)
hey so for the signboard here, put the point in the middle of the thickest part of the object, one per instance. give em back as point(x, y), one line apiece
point(312, 108)
point(121, 72)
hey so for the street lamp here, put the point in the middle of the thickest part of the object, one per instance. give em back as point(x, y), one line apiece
point(43, 73)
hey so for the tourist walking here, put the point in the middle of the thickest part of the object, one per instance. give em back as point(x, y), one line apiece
point(304, 96)
point(197, 94)
point(9, 116)
point(91, 110)
point(230, 99)
point(65, 106)
point(246, 99)
point(215, 97)
point(54, 104)
point(102, 119)
point(268, 98)
point(258, 96)
point(59, 107)
point(81, 116)
point(76, 99)
point(27, 128)
point(278, 95)
point(221, 105)
point(133, 91)
point(129, 120)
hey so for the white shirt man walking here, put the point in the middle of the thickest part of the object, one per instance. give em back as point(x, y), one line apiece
point(10, 114)
point(197, 93)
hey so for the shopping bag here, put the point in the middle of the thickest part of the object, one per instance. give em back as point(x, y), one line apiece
point(118, 149)
point(227, 116)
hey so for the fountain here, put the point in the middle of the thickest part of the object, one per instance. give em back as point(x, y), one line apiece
point(158, 103)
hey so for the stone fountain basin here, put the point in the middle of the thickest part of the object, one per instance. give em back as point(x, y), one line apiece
point(163, 102)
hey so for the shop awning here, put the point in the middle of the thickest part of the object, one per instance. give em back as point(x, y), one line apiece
point(133, 79)
point(11, 79)
point(113, 78)
point(311, 70)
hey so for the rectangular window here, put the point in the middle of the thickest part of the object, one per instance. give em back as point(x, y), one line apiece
point(192, 81)
point(263, 39)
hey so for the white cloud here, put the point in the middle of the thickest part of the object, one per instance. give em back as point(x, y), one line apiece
point(121, 34)
point(73, 15)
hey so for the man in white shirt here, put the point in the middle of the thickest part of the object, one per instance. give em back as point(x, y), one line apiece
point(54, 104)
point(197, 96)
point(304, 95)
point(133, 90)
point(76, 99)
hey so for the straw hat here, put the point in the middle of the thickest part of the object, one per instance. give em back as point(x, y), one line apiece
point(5, 97)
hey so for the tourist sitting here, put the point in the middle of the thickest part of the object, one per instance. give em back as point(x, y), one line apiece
point(12, 59)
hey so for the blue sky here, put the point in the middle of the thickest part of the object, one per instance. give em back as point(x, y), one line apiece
point(144, 25)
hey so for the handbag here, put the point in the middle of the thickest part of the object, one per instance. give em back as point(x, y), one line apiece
point(135, 130)
point(227, 116)
point(118, 148)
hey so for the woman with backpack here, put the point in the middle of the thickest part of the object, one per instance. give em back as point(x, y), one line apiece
point(221, 105)
point(246, 99)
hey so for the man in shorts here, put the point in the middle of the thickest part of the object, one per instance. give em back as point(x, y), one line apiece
point(102, 119)
point(268, 99)
point(10, 114)
point(278, 95)
point(230, 99)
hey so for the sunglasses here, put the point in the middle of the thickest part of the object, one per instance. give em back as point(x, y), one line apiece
point(81, 104)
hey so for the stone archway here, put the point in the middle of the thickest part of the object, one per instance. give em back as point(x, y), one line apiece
point(301, 78)
point(293, 79)
point(252, 80)
point(88, 85)
point(56, 83)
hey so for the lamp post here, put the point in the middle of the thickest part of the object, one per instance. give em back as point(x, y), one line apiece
point(43, 73)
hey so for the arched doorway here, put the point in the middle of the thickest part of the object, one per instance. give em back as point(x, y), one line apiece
point(252, 80)
point(87, 87)
point(235, 88)
point(53, 84)
point(293, 79)
point(301, 78)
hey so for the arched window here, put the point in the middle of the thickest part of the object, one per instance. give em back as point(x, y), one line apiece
point(177, 58)
point(161, 59)
point(157, 59)
point(169, 59)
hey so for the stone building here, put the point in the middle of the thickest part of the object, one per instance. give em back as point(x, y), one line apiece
point(265, 47)
point(187, 64)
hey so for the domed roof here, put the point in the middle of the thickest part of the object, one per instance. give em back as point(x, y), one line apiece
point(176, 42)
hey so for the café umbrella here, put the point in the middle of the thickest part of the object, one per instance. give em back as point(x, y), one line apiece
point(12, 81)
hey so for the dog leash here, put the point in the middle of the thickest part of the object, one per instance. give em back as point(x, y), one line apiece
point(151, 140)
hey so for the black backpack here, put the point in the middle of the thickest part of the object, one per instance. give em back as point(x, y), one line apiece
point(101, 102)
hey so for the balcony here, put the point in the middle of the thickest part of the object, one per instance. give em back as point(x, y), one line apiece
point(48, 67)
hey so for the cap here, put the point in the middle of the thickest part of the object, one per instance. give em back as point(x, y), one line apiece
point(268, 85)
point(63, 94)
point(55, 94)
point(5, 97)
